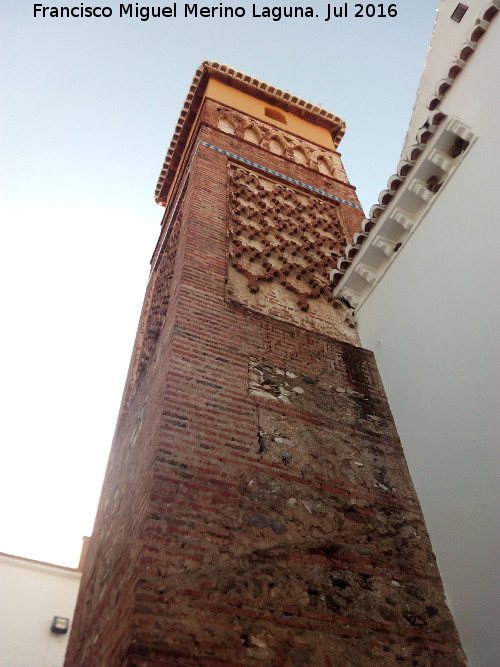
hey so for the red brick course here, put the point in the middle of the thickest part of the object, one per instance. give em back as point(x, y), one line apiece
point(257, 508)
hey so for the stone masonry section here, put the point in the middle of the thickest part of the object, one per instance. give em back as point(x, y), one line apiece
point(257, 509)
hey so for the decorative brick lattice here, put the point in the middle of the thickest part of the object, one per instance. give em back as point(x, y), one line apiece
point(280, 234)
point(156, 304)
point(281, 143)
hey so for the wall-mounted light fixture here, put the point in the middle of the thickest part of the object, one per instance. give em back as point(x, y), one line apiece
point(59, 625)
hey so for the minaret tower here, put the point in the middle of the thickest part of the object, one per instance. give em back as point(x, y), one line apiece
point(257, 508)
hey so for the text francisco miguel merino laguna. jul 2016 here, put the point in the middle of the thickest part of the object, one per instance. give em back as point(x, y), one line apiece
point(219, 11)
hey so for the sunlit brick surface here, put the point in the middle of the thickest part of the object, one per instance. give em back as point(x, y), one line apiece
point(257, 508)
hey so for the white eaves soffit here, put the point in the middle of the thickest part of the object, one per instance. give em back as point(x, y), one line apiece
point(374, 254)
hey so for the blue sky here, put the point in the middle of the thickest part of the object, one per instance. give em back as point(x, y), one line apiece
point(88, 109)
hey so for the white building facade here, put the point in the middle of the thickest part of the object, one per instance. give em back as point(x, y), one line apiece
point(32, 594)
point(424, 281)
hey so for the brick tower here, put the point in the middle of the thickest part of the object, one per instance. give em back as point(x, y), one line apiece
point(257, 508)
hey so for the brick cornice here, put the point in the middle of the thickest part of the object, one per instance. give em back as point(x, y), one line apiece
point(247, 84)
point(353, 278)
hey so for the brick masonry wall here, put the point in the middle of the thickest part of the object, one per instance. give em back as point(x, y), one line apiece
point(257, 508)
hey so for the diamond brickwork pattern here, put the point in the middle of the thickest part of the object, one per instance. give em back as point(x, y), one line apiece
point(280, 234)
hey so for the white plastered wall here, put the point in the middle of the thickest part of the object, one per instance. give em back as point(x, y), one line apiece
point(433, 323)
point(31, 594)
point(447, 36)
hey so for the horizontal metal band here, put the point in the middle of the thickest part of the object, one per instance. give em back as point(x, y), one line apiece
point(282, 176)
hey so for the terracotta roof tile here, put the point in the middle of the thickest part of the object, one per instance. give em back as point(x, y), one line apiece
point(279, 98)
